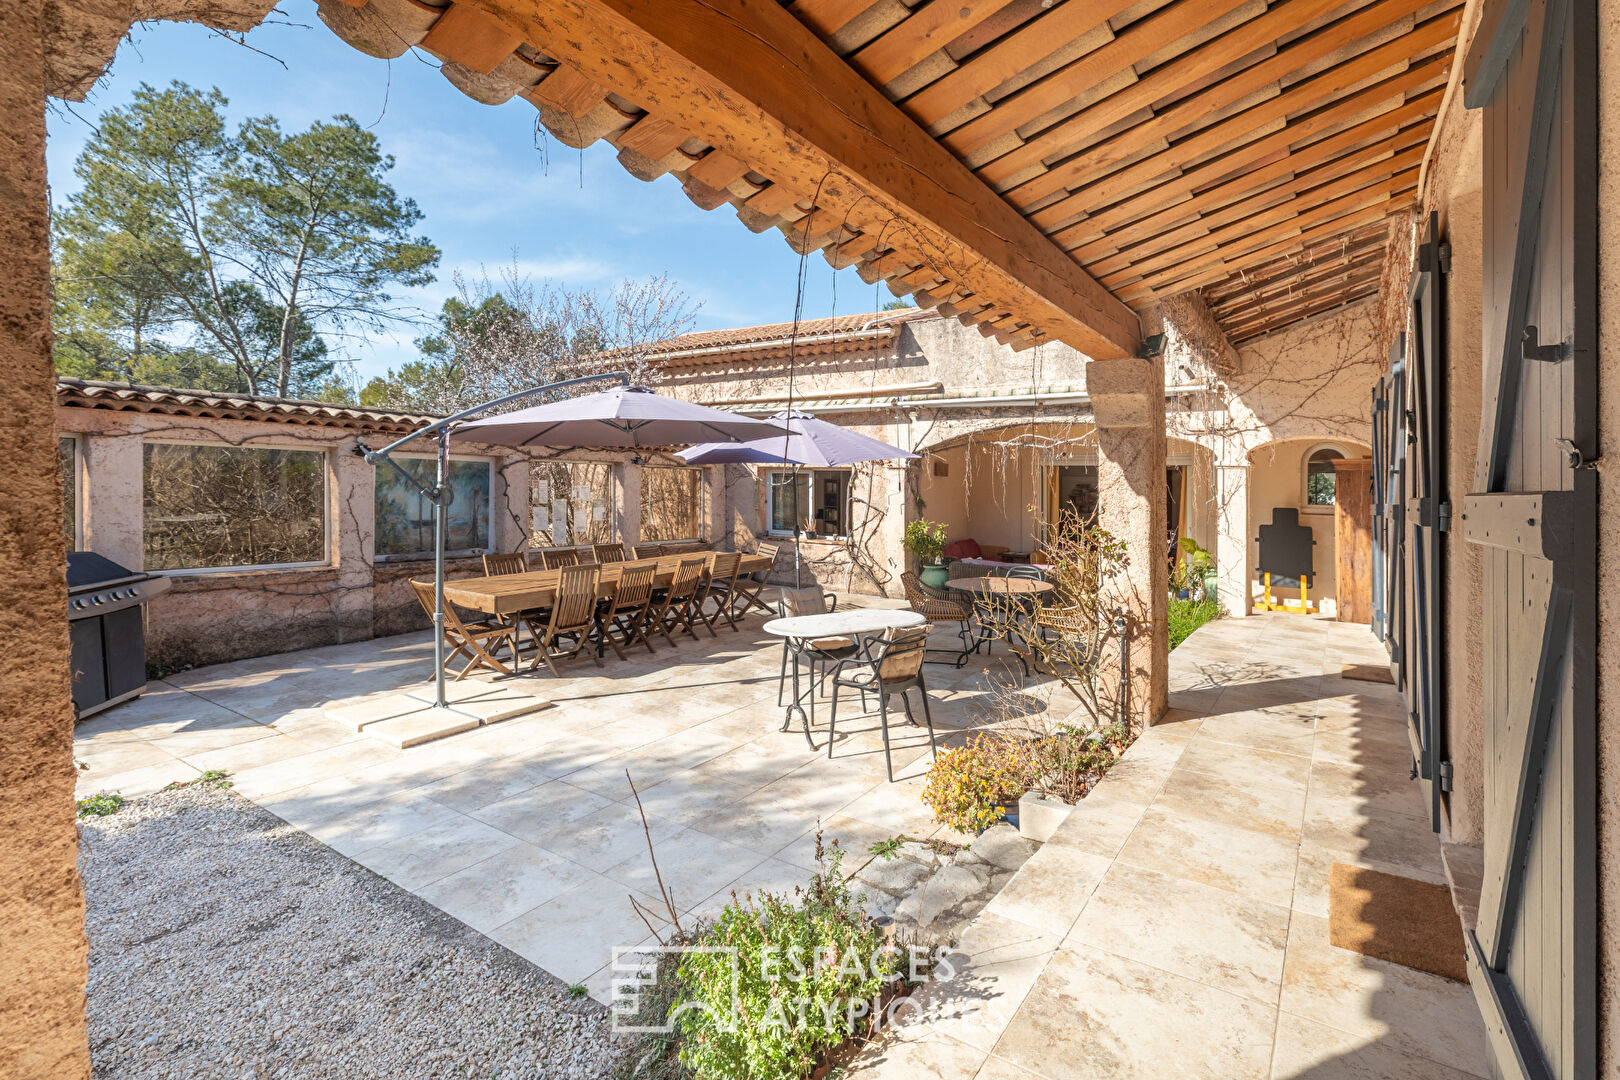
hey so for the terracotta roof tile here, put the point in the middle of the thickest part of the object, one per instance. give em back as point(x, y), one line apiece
point(135, 397)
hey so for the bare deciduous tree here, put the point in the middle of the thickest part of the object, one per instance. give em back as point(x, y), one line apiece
point(507, 333)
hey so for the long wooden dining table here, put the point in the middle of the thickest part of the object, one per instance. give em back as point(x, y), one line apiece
point(504, 594)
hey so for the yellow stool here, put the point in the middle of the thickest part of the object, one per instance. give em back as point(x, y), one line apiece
point(1282, 605)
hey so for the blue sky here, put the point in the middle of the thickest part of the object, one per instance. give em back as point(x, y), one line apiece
point(488, 195)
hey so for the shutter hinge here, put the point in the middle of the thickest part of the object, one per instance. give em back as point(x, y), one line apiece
point(1445, 256)
point(1573, 456)
point(1445, 517)
point(1445, 776)
point(1546, 354)
point(1395, 653)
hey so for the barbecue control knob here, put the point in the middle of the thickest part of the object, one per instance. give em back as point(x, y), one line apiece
point(98, 599)
point(78, 604)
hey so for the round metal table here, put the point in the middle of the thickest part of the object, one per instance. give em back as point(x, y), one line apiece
point(850, 624)
point(989, 590)
point(999, 586)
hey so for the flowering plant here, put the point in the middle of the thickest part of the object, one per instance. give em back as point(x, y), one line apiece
point(968, 787)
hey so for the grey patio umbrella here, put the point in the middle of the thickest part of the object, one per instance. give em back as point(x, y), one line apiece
point(809, 441)
point(624, 416)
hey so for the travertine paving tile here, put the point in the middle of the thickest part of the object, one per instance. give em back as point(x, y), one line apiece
point(1094, 1015)
point(1216, 937)
point(1409, 1011)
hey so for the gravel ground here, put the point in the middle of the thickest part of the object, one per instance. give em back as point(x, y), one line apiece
point(225, 943)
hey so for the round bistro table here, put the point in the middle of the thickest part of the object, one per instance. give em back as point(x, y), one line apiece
point(855, 623)
point(986, 590)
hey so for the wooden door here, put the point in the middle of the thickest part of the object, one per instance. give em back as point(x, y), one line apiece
point(1532, 956)
point(1352, 539)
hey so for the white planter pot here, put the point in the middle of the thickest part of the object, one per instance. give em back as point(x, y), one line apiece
point(1039, 818)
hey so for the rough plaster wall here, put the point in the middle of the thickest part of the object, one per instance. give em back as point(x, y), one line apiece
point(1454, 188)
point(211, 618)
point(1608, 740)
point(81, 37)
point(42, 945)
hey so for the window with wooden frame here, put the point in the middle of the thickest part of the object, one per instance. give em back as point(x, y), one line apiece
point(1320, 487)
point(816, 501)
point(212, 507)
point(404, 516)
point(671, 504)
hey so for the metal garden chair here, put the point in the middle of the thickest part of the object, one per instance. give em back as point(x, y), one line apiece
point(891, 664)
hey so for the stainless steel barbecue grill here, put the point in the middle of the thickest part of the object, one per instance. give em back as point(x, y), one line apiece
point(107, 627)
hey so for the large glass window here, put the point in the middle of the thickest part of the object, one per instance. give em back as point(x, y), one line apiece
point(404, 516)
point(571, 502)
point(819, 503)
point(230, 506)
point(671, 504)
point(1321, 482)
point(67, 453)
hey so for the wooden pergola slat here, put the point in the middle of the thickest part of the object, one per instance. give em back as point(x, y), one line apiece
point(752, 80)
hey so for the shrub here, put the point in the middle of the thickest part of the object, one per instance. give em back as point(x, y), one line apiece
point(967, 786)
point(101, 804)
point(808, 967)
point(1188, 615)
point(926, 539)
point(1071, 760)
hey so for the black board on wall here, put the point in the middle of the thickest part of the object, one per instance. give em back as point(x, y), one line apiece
point(1286, 547)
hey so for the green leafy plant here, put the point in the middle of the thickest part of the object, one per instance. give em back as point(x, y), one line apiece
point(808, 969)
point(1192, 563)
point(101, 804)
point(969, 787)
point(926, 539)
point(887, 849)
point(1188, 615)
point(577, 992)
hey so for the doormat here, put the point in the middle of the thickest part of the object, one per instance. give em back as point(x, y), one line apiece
point(1395, 918)
point(1368, 673)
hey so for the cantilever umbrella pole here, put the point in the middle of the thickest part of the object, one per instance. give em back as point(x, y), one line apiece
point(439, 494)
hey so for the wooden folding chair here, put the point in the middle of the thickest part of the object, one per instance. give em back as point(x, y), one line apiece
point(722, 581)
point(690, 547)
point(557, 558)
point(628, 610)
point(585, 554)
point(606, 553)
point(515, 562)
point(649, 551)
point(674, 609)
point(573, 614)
point(470, 639)
point(746, 589)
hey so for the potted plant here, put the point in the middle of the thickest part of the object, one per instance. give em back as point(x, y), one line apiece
point(926, 539)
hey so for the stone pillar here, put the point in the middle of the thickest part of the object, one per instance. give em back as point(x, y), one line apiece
point(511, 525)
point(115, 497)
point(1232, 538)
point(353, 511)
point(1127, 397)
point(629, 502)
point(42, 945)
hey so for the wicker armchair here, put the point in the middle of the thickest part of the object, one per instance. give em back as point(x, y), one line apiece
point(938, 607)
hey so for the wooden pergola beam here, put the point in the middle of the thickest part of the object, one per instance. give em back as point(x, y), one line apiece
point(752, 80)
